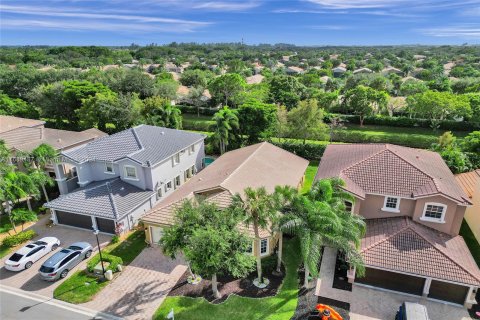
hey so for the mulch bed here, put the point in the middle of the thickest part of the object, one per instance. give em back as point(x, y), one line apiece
point(227, 285)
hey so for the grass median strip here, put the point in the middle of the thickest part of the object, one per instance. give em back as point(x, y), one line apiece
point(81, 287)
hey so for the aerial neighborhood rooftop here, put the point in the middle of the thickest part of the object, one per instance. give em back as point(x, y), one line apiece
point(229, 181)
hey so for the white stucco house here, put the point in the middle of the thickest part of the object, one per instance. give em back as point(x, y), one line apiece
point(108, 184)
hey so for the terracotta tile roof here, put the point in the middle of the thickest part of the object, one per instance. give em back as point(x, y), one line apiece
point(400, 244)
point(390, 170)
point(258, 165)
point(469, 181)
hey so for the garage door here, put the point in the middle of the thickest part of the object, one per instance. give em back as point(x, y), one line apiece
point(156, 233)
point(105, 225)
point(74, 220)
point(448, 292)
point(392, 281)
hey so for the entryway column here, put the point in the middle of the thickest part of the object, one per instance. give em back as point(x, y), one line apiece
point(470, 298)
point(54, 217)
point(426, 287)
point(94, 223)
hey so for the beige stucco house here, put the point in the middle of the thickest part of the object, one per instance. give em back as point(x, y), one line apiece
point(413, 208)
point(259, 165)
point(470, 182)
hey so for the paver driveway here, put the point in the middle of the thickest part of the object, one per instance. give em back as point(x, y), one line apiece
point(29, 280)
point(141, 287)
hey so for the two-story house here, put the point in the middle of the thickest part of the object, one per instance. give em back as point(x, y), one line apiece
point(108, 184)
point(24, 135)
point(413, 208)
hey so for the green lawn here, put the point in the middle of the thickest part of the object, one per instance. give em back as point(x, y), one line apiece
point(310, 175)
point(81, 287)
point(471, 241)
point(280, 307)
point(4, 251)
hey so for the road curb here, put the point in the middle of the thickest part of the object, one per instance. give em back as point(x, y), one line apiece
point(58, 303)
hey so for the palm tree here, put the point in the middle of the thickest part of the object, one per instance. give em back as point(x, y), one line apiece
point(25, 182)
point(42, 179)
point(43, 155)
point(258, 209)
point(11, 191)
point(283, 197)
point(226, 121)
point(316, 225)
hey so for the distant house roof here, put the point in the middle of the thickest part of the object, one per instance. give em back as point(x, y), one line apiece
point(27, 134)
point(400, 244)
point(469, 181)
point(258, 165)
point(293, 69)
point(183, 90)
point(392, 70)
point(339, 69)
point(255, 79)
point(362, 70)
point(112, 199)
point(390, 170)
point(146, 145)
point(8, 123)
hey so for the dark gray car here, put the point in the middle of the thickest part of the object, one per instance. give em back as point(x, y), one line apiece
point(58, 265)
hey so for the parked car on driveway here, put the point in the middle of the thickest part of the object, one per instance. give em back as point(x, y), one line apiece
point(58, 265)
point(26, 256)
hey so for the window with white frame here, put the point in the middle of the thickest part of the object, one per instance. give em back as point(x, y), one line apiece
point(177, 181)
point(191, 149)
point(168, 186)
point(249, 249)
point(434, 212)
point(109, 168)
point(264, 247)
point(348, 206)
point(391, 204)
point(130, 172)
point(176, 159)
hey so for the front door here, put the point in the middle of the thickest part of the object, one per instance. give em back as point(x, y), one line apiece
point(156, 234)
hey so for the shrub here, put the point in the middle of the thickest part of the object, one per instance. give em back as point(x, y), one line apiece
point(113, 260)
point(197, 125)
point(269, 264)
point(309, 151)
point(412, 140)
point(115, 239)
point(13, 240)
point(193, 110)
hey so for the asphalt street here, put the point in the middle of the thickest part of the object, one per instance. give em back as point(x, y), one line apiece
point(17, 306)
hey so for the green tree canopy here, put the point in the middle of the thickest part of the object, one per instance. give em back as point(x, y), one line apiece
point(306, 121)
point(16, 107)
point(225, 87)
point(257, 120)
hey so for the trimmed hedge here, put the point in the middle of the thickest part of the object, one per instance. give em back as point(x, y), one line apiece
point(193, 110)
point(197, 125)
point(408, 140)
point(406, 122)
point(309, 151)
point(113, 260)
point(13, 240)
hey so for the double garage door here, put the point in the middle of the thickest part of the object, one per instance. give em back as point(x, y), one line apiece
point(414, 285)
point(85, 222)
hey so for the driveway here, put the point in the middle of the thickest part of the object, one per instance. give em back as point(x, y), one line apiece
point(141, 287)
point(29, 280)
point(373, 304)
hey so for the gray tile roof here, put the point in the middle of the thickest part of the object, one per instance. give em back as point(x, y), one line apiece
point(147, 145)
point(112, 199)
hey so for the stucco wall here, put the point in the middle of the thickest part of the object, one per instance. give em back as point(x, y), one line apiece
point(472, 214)
point(371, 207)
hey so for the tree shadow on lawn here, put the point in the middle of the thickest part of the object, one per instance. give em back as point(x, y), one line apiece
point(137, 300)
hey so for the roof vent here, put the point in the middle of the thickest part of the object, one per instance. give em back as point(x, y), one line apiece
point(417, 157)
point(162, 133)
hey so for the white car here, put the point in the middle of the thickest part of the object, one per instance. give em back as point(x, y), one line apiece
point(26, 256)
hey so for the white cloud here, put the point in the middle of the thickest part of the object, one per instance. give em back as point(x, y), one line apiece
point(467, 31)
point(75, 13)
point(404, 5)
point(227, 6)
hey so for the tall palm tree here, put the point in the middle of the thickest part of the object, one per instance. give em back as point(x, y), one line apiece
point(284, 196)
point(226, 121)
point(11, 190)
point(42, 155)
point(31, 190)
point(258, 209)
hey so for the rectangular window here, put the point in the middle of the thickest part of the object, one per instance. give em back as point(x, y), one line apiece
point(159, 193)
point(176, 159)
point(348, 206)
point(168, 186)
point(191, 149)
point(434, 212)
point(177, 181)
point(130, 172)
point(263, 247)
point(109, 167)
point(73, 173)
point(391, 204)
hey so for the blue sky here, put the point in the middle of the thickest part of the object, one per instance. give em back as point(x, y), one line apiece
point(301, 22)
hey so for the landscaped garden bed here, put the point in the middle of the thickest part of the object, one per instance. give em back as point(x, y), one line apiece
point(228, 285)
